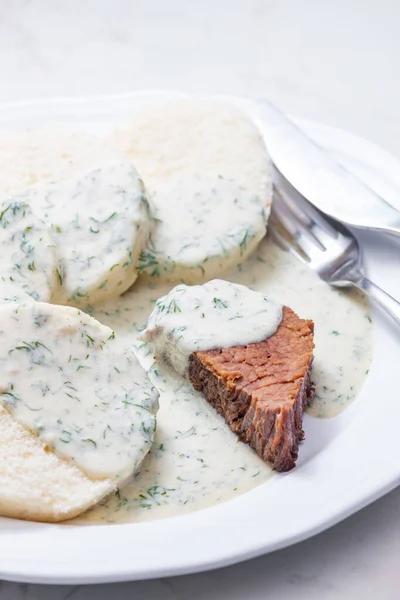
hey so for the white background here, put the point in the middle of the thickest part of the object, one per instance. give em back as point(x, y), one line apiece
point(336, 61)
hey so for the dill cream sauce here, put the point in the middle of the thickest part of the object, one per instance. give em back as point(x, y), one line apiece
point(218, 314)
point(195, 461)
point(193, 238)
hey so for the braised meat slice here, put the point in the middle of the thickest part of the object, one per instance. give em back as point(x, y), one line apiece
point(262, 389)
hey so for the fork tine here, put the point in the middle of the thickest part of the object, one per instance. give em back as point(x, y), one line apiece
point(284, 215)
point(307, 242)
point(327, 246)
point(284, 240)
point(306, 213)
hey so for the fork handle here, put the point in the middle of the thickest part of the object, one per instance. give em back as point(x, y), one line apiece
point(383, 299)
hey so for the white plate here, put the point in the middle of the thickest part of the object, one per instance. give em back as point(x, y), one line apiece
point(344, 464)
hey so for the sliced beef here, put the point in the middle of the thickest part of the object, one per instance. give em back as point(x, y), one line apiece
point(262, 389)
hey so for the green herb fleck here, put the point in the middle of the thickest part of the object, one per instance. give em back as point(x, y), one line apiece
point(220, 303)
point(90, 442)
point(60, 276)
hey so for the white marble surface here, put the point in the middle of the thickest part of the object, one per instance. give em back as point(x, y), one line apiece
point(333, 61)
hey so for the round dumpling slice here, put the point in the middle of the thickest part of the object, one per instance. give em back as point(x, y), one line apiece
point(59, 456)
point(47, 154)
point(28, 253)
point(101, 220)
point(208, 173)
point(67, 379)
point(197, 135)
point(205, 225)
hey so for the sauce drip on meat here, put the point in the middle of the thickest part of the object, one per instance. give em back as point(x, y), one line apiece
point(218, 314)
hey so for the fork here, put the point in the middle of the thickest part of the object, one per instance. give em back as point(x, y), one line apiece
point(325, 245)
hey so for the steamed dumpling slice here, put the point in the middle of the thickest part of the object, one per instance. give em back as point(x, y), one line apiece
point(49, 154)
point(208, 173)
point(197, 135)
point(64, 376)
point(77, 412)
point(83, 185)
point(205, 225)
point(101, 221)
point(28, 255)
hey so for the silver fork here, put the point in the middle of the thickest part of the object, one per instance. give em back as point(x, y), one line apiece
point(325, 245)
